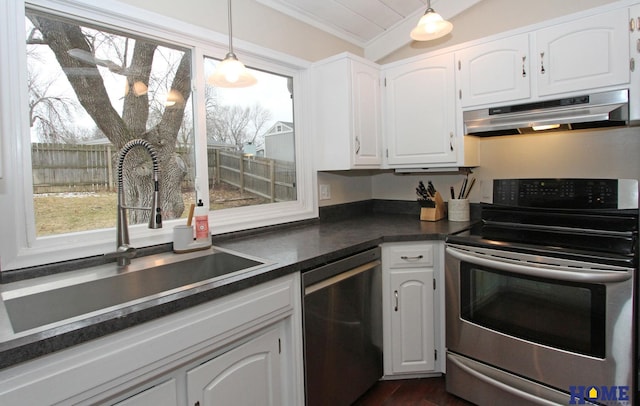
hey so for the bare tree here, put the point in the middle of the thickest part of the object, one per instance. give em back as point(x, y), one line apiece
point(259, 118)
point(49, 112)
point(235, 125)
point(75, 51)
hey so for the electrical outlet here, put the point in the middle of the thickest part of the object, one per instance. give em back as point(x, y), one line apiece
point(325, 192)
point(486, 191)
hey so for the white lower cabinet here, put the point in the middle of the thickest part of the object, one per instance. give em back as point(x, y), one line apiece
point(247, 375)
point(412, 329)
point(413, 312)
point(164, 394)
point(242, 349)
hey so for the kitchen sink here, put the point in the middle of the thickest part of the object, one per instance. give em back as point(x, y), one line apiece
point(107, 287)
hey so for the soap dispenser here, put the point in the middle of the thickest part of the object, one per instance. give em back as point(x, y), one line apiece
point(203, 236)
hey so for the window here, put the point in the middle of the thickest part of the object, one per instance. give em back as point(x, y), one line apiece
point(249, 162)
point(69, 105)
point(92, 90)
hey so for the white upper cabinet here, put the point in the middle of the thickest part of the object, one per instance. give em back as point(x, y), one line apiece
point(494, 72)
point(420, 113)
point(588, 53)
point(347, 113)
point(634, 60)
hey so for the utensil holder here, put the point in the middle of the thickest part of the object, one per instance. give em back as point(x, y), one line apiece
point(183, 240)
point(459, 210)
point(434, 213)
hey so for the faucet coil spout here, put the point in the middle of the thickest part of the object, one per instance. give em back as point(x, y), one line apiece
point(124, 251)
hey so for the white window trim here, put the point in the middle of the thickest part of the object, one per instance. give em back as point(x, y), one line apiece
point(19, 247)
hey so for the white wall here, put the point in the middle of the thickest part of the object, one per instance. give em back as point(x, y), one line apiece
point(346, 186)
point(391, 186)
point(582, 154)
point(490, 17)
point(254, 23)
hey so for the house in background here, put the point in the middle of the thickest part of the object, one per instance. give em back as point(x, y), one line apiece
point(279, 142)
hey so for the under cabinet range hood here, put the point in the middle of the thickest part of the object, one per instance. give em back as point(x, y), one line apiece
point(594, 110)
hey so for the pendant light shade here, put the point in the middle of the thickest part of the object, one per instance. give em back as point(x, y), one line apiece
point(431, 26)
point(231, 72)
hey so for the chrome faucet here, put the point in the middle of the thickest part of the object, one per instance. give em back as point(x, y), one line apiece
point(124, 251)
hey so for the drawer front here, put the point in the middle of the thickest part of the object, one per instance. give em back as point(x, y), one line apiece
point(409, 255)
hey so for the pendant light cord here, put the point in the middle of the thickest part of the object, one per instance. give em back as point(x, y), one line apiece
point(429, 9)
point(230, 28)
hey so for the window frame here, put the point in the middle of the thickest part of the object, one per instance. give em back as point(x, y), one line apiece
point(19, 247)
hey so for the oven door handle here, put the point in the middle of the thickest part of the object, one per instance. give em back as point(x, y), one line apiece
point(494, 382)
point(591, 276)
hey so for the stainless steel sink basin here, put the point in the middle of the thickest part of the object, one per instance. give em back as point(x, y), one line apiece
point(104, 287)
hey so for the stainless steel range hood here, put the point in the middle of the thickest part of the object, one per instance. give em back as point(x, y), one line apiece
point(588, 111)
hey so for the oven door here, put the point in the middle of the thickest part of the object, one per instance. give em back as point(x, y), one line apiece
point(560, 323)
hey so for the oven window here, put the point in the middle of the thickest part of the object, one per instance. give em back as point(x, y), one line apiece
point(565, 315)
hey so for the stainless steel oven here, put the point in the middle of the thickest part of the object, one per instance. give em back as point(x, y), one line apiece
point(540, 295)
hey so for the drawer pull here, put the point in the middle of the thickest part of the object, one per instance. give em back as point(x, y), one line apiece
point(416, 258)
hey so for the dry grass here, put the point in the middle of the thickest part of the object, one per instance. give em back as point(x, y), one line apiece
point(59, 213)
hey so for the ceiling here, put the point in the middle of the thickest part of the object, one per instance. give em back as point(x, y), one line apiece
point(378, 26)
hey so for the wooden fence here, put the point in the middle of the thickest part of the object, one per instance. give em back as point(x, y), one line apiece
point(60, 168)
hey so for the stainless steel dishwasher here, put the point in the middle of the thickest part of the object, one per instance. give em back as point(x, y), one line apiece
point(343, 329)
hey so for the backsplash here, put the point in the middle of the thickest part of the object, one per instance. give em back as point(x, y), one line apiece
point(610, 153)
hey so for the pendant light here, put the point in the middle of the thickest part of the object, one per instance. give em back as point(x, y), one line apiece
point(431, 26)
point(231, 72)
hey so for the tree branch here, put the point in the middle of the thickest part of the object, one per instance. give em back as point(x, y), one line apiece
point(83, 76)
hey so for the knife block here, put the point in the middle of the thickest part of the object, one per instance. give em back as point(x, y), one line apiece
point(434, 213)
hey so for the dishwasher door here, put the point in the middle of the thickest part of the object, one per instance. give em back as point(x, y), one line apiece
point(343, 329)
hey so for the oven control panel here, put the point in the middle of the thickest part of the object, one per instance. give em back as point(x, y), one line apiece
point(566, 193)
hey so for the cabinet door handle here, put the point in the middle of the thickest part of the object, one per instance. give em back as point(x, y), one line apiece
point(451, 141)
point(395, 294)
point(632, 64)
point(524, 70)
point(632, 24)
point(357, 145)
point(415, 258)
point(542, 70)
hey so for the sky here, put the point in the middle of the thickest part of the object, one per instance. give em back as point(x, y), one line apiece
point(270, 91)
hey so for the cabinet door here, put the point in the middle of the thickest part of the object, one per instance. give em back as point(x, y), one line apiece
point(246, 375)
point(634, 61)
point(367, 131)
point(584, 54)
point(159, 395)
point(412, 320)
point(346, 113)
point(494, 72)
point(420, 112)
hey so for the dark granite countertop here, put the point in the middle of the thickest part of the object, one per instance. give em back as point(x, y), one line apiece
point(287, 249)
